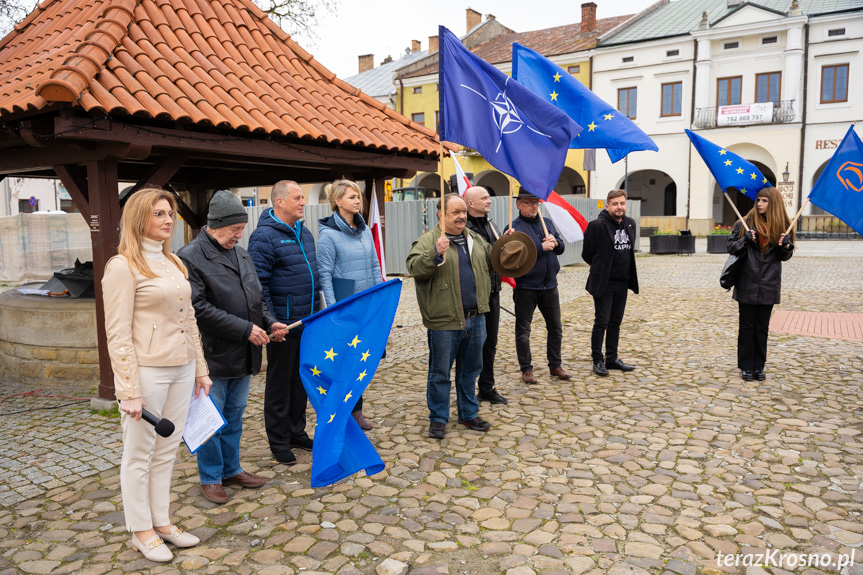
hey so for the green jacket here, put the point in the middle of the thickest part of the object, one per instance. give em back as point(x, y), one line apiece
point(438, 287)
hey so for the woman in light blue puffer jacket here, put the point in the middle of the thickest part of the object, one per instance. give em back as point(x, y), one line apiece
point(347, 260)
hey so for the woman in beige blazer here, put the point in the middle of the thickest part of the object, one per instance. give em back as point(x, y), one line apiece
point(157, 360)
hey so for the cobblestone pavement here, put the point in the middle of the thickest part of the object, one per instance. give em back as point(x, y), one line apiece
point(654, 471)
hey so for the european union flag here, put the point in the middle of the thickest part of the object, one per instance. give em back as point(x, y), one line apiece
point(516, 131)
point(729, 169)
point(606, 127)
point(839, 189)
point(340, 349)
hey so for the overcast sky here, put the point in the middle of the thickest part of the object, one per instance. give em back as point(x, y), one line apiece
point(386, 27)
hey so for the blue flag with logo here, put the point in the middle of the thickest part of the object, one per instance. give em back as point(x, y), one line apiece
point(839, 189)
point(729, 169)
point(515, 130)
point(605, 126)
point(340, 349)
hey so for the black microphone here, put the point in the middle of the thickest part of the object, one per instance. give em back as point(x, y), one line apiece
point(164, 427)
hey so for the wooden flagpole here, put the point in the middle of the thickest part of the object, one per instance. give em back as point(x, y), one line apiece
point(442, 199)
point(511, 199)
point(794, 221)
point(736, 211)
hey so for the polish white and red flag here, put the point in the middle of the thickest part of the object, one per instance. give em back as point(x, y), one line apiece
point(461, 178)
point(569, 222)
point(377, 233)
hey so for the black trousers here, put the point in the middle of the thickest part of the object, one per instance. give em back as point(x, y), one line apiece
point(284, 395)
point(608, 314)
point(548, 302)
point(752, 336)
point(485, 383)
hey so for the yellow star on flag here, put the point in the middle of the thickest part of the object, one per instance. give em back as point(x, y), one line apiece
point(332, 417)
point(557, 77)
point(331, 354)
point(355, 341)
point(365, 355)
point(723, 152)
point(362, 375)
point(743, 191)
point(739, 170)
point(553, 96)
point(321, 390)
point(764, 181)
point(727, 162)
point(609, 116)
point(316, 371)
point(592, 126)
point(348, 396)
point(753, 175)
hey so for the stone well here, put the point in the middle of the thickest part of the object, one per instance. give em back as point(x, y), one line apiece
point(48, 341)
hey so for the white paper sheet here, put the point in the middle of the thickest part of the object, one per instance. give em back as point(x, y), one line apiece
point(203, 421)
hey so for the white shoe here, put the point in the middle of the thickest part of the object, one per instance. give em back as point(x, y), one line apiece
point(179, 537)
point(153, 549)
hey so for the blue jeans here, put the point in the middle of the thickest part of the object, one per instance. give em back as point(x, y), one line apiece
point(219, 458)
point(465, 348)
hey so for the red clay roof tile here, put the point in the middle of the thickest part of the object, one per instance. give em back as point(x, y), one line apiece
point(210, 62)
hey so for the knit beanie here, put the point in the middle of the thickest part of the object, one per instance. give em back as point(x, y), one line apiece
point(225, 210)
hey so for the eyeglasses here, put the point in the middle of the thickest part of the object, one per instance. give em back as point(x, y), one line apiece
point(162, 215)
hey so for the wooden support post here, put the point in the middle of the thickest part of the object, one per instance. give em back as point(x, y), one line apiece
point(103, 193)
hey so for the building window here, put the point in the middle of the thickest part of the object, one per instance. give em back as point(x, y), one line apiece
point(834, 84)
point(419, 118)
point(770, 40)
point(574, 69)
point(672, 96)
point(627, 59)
point(835, 32)
point(728, 91)
point(672, 53)
point(24, 207)
point(418, 90)
point(626, 102)
point(767, 87)
point(731, 45)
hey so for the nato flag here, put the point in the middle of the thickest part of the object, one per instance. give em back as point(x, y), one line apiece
point(606, 127)
point(839, 189)
point(340, 349)
point(729, 169)
point(515, 130)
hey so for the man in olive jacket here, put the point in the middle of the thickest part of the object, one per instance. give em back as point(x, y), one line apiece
point(233, 320)
point(453, 284)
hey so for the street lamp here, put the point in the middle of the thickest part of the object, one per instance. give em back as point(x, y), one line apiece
point(786, 174)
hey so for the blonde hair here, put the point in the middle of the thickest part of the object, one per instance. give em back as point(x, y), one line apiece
point(773, 223)
point(133, 226)
point(338, 189)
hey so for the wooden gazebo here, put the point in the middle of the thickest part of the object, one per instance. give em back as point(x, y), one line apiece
point(195, 94)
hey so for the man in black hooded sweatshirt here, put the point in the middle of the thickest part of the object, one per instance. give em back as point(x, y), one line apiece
point(609, 250)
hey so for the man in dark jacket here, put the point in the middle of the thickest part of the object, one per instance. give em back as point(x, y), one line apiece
point(538, 289)
point(284, 255)
point(609, 250)
point(233, 320)
point(478, 220)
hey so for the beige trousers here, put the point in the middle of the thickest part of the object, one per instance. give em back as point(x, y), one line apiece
point(148, 459)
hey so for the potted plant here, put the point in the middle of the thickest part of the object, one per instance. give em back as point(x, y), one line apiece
point(717, 241)
point(663, 242)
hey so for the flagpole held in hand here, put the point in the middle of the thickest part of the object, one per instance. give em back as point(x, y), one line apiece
point(510, 202)
point(736, 211)
point(442, 201)
point(800, 211)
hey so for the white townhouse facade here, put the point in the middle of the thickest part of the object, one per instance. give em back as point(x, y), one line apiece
point(771, 81)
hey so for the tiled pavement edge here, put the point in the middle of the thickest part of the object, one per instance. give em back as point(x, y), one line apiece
point(650, 472)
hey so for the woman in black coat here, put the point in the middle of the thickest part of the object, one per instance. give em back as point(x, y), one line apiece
point(759, 281)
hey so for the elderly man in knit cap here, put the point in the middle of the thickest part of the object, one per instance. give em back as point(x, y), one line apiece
point(233, 320)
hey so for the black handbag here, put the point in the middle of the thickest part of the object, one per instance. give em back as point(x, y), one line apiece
point(731, 270)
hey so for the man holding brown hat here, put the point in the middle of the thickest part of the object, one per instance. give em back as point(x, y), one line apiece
point(538, 288)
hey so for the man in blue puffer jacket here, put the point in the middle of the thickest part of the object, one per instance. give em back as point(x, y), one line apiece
point(538, 289)
point(284, 255)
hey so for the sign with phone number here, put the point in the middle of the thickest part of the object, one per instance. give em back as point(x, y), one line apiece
point(745, 115)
